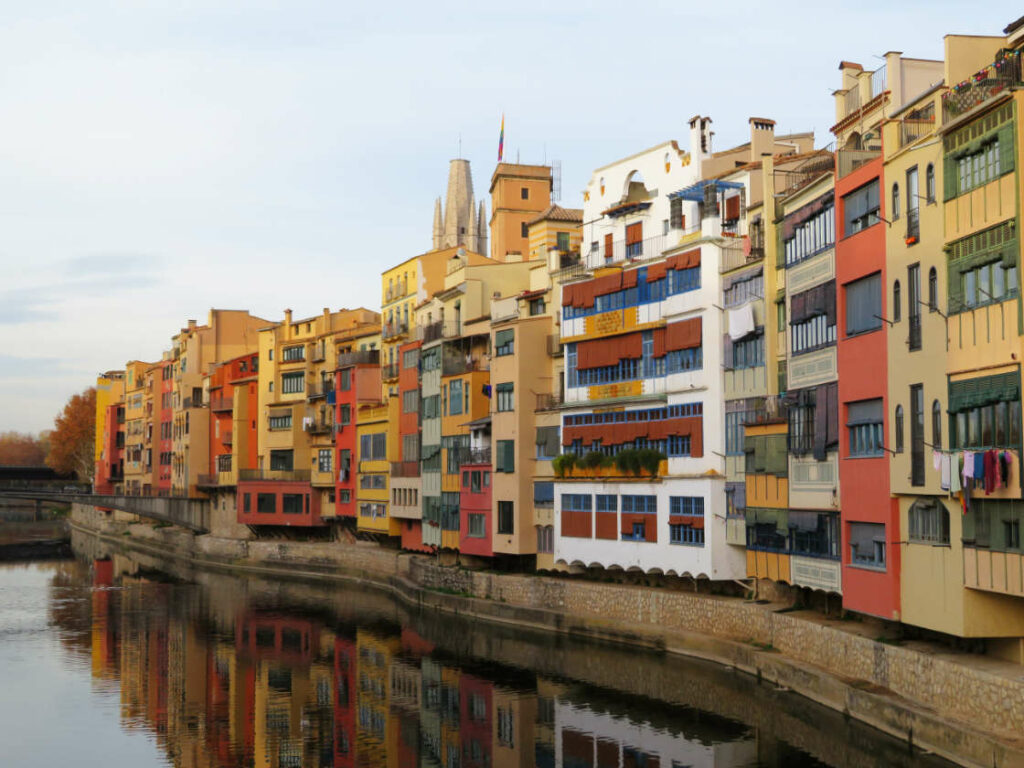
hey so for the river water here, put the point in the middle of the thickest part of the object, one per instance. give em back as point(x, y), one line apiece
point(111, 660)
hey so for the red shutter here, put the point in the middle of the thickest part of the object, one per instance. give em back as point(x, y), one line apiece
point(608, 246)
point(634, 233)
point(732, 208)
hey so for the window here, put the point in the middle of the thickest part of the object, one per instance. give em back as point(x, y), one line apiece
point(537, 306)
point(562, 239)
point(524, 230)
point(270, 354)
point(748, 352)
point(411, 401)
point(864, 420)
point(983, 267)
point(545, 539)
point(916, 434)
point(291, 503)
point(506, 520)
point(929, 183)
point(504, 343)
point(929, 522)
point(744, 289)
point(455, 397)
point(345, 415)
point(247, 503)
point(864, 304)
point(281, 460)
point(280, 420)
point(897, 309)
point(640, 505)
point(860, 209)
point(895, 202)
point(577, 502)
point(324, 460)
point(548, 445)
point(607, 502)
point(977, 168)
point(813, 318)
point(266, 503)
point(933, 290)
point(867, 545)
point(506, 456)
point(477, 526)
point(411, 447)
point(675, 213)
point(506, 399)
point(346, 380)
point(410, 358)
point(986, 412)
point(543, 494)
point(686, 520)
point(780, 315)
point(290, 354)
point(373, 447)
point(524, 193)
point(936, 424)
point(899, 429)
point(293, 382)
point(813, 231)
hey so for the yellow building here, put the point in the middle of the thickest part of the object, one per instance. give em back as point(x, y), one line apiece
point(137, 464)
point(109, 392)
point(373, 470)
point(519, 193)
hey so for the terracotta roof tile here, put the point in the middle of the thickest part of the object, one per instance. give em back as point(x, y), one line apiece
point(558, 213)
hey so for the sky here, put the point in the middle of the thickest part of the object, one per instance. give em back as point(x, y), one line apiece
point(160, 159)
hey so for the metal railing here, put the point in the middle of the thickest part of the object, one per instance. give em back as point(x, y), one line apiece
point(319, 427)
point(851, 101)
point(993, 80)
point(549, 401)
point(734, 257)
point(850, 160)
point(222, 403)
point(284, 475)
point(391, 330)
point(318, 353)
point(878, 80)
point(389, 372)
point(478, 456)
point(207, 481)
point(571, 272)
point(362, 357)
point(189, 402)
point(441, 329)
point(650, 248)
point(317, 389)
point(453, 366)
point(405, 469)
point(224, 463)
point(918, 123)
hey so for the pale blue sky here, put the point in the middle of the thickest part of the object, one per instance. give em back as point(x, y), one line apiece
point(160, 159)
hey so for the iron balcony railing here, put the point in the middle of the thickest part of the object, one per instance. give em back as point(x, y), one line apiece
point(1002, 75)
point(391, 330)
point(389, 372)
point(479, 456)
point(918, 123)
point(190, 402)
point(851, 101)
point(442, 329)
point(850, 160)
point(453, 366)
point(362, 357)
point(319, 426)
point(549, 401)
point(222, 403)
point(571, 272)
point(650, 248)
point(282, 475)
point(207, 481)
point(878, 80)
point(734, 256)
point(405, 469)
point(224, 463)
point(318, 389)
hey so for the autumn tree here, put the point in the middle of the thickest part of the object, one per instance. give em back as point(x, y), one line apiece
point(21, 450)
point(73, 439)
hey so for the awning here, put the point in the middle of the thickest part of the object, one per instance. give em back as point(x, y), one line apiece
point(695, 192)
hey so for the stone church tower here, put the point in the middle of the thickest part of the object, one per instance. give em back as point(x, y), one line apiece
point(459, 223)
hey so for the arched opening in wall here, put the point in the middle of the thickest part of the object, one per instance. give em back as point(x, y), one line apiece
point(634, 190)
point(853, 141)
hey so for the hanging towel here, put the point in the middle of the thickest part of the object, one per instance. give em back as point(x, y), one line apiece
point(1004, 467)
point(936, 461)
point(741, 321)
point(979, 466)
point(944, 470)
point(954, 476)
point(989, 462)
point(968, 465)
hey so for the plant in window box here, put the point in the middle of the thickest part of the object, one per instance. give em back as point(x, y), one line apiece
point(594, 460)
point(563, 464)
point(650, 460)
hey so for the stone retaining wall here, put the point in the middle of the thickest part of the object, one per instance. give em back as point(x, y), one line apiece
point(967, 692)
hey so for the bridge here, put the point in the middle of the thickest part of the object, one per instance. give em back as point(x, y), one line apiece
point(186, 512)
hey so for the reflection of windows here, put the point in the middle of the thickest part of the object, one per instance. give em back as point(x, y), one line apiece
point(577, 502)
point(867, 545)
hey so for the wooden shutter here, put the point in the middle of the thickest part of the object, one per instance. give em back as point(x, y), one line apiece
point(608, 246)
point(634, 233)
point(732, 208)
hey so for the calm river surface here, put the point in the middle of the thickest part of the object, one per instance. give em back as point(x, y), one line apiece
point(111, 660)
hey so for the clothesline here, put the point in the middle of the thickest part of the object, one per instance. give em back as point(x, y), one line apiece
point(988, 468)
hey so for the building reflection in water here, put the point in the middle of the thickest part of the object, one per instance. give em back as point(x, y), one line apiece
point(271, 689)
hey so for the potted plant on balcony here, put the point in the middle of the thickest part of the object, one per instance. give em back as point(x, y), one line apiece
point(594, 460)
point(563, 464)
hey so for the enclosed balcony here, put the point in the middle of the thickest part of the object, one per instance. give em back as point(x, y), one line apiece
point(995, 79)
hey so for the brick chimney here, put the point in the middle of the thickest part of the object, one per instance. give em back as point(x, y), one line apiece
point(762, 138)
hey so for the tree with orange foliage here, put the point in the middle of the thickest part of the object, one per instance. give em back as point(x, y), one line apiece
point(73, 440)
point(19, 449)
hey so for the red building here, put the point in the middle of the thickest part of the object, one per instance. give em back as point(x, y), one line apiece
point(110, 468)
point(408, 466)
point(476, 720)
point(228, 450)
point(345, 671)
point(278, 502)
point(356, 381)
point(475, 523)
point(869, 515)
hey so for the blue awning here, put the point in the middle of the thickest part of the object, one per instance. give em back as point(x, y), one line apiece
point(695, 192)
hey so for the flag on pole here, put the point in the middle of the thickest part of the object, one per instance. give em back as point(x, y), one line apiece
point(501, 139)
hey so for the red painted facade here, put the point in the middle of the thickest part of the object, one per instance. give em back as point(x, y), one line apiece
point(164, 436)
point(249, 500)
point(863, 375)
point(475, 499)
point(355, 383)
point(476, 720)
point(110, 468)
point(346, 662)
point(225, 381)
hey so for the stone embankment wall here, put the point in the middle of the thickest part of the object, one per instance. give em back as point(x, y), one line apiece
point(906, 691)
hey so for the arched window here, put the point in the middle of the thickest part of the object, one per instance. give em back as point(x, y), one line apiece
point(895, 202)
point(936, 424)
point(668, 162)
point(929, 183)
point(899, 429)
point(933, 289)
point(602, 185)
point(896, 302)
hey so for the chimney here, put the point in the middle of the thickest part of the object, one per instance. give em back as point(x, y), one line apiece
point(288, 317)
point(327, 319)
point(191, 325)
point(762, 138)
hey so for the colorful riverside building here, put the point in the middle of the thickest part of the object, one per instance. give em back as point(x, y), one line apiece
point(136, 463)
point(195, 349)
point(644, 354)
point(294, 482)
point(109, 459)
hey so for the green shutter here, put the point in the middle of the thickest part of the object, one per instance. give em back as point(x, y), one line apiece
point(503, 337)
point(1006, 149)
point(949, 177)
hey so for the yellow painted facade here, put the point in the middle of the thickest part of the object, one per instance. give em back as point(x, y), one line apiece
point(372, 500)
